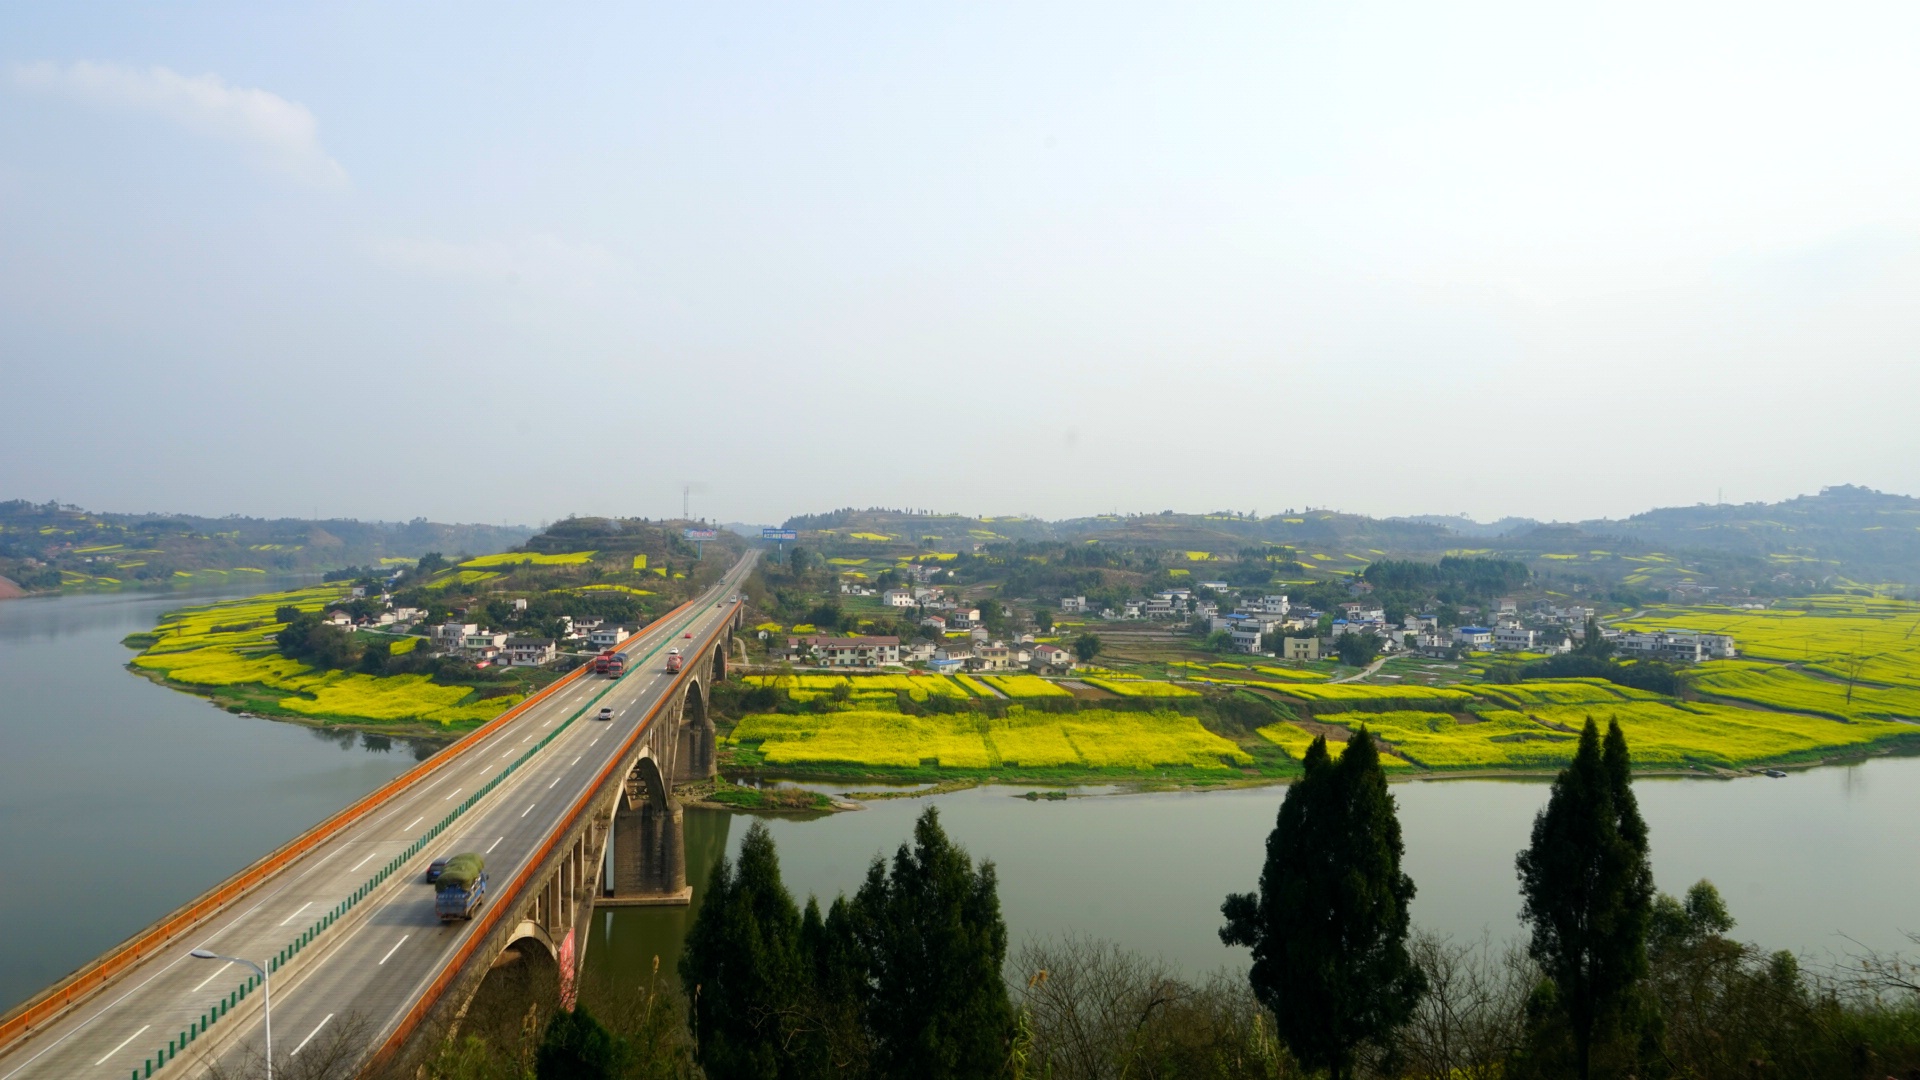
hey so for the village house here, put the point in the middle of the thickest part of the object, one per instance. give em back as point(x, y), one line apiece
point(531, 652)
point(1515, 638)
point(1246, 637)
point(1073, 605)
point(1299, 648)
point(934, 622)
point(1473, 637)
point(873, 651)
point(1050, 659)
point(606, 637)
point(1676, 646)
point(900, 598)
point(484, 645)
point(449, 637)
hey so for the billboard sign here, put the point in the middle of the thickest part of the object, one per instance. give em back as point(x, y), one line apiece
point(699, 534)
point(779, 534)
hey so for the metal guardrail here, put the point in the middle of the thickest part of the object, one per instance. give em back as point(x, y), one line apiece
point(339, 911)
point(490, 919)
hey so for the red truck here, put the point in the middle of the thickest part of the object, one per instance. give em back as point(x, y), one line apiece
point(611, 664)
point(673, 660)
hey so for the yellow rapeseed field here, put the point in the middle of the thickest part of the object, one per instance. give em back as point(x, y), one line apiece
point(1133, 742)
point(206, 647)
point(534, 558)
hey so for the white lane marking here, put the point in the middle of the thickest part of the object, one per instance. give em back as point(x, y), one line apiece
point(549, 788)
point(310, 1035)
point(576, 759)
point(412, 823)
point(491, 846)
point(526, 740)
point(596, 739)
point(508, 753)
point(296, 913)
point(364, 861)
point(451, 794)
point(122, 1046)
point(218, 970)
point(396, 948)
point(527, 811)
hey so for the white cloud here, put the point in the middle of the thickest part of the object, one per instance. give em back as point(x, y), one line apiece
point(281, 135)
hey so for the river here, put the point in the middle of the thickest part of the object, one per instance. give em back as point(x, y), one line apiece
point(120, 799)
point(1805, 862)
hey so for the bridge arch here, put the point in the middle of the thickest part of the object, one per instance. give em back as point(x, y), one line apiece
point(647, 787)
point(694, 747)
point(719, 674)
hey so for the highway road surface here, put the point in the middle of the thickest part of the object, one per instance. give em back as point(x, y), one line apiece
point(378, 958)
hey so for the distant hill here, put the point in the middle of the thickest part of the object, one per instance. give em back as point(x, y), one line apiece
point(46, 546)
point(1845, 537)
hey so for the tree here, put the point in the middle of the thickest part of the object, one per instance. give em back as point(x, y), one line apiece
point(932, 944)
point(1086, 647)
point(742, 969)
point(1356, 649)
point(1587, 889)
point(430, 562)
point(575, 1046)
point(1328, 928)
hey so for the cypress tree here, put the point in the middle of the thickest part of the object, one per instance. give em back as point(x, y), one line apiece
point(1587, 889)
point(932, 944)
point(1328, 928)
point(575, 1046)
point(743, 970)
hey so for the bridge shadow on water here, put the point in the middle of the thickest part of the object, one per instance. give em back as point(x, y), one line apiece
point(624, 941)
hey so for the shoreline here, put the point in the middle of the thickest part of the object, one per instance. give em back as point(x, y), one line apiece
point(917, 786)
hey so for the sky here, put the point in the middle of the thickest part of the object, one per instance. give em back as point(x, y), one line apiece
point(498, 263)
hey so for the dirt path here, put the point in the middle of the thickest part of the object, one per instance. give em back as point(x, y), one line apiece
point(10, 590)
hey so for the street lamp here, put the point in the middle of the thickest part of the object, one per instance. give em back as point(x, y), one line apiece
point(266, 993)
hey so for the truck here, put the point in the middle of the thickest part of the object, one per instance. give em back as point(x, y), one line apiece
point(461, 887)
point(674, 660)
point(611, 664)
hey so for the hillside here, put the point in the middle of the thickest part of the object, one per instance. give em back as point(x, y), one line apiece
point(47, 546)
point(1843, 538)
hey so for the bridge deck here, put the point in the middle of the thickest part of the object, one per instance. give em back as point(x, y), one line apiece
point(377, 960)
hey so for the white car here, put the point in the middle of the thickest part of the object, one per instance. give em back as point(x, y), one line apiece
point(605, 714)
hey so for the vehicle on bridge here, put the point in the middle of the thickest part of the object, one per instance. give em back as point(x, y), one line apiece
point(606, 713)
point(461, 888)
point(674, 660)
point(611, 664)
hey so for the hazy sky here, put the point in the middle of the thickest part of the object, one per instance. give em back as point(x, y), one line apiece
point(509, 263)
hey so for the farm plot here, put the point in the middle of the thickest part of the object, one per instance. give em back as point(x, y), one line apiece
point(1022, 687)
point(1141, 688)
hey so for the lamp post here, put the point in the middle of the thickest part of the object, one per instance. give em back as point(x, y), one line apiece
point(266, 994)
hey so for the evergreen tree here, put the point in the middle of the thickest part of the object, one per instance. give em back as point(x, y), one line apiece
point(1328, 928)
point(1587, 889)
point(575, 1046)
point(931, 945)
point(743, 970)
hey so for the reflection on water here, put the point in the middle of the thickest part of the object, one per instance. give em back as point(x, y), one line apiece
point(1804, 862)
point(121, 799)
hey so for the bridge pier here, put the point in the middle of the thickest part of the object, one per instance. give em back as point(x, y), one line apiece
point(648, 847)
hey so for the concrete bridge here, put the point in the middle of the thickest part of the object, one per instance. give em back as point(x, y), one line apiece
point(570, 812)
